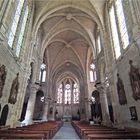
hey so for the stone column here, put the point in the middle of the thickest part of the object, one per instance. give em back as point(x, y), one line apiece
point(104, 105)
point(45, 113)
point(87, 109)
point(54, 110)
point(30, 106)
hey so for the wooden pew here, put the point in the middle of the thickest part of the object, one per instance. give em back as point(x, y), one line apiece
point(45, 130)
point(85, 131)
point(45, 133)
point(5, 127)
point(113, 136)
point(22, 136)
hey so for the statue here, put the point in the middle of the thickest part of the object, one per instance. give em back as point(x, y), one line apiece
point(14, 90)
point(96, 113)
point(121, 91)
point(3, 74)
point(134, 80)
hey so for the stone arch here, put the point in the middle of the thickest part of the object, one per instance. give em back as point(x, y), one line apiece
point(56, 33)
point(69, 75)
point(76, 71)
point(43, 17)
point(4, 115)
point(52, 33)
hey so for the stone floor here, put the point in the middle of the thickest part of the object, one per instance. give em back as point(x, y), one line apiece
point(66, 132)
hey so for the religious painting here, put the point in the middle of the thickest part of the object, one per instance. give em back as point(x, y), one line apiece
point(121, 91)
point(134, 75)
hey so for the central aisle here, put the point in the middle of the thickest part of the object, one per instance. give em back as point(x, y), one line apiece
point(66, 132)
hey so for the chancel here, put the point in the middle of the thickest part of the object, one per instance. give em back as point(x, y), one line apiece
point(69, 69)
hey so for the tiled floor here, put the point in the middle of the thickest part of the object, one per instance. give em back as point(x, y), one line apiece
point(66, 132)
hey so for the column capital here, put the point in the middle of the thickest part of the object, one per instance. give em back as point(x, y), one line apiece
point(101, 88)
point(34, 87)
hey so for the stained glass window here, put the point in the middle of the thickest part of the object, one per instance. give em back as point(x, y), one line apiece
point(42, 74)
point(59, 94)
point(22, 31)
point(115, 35)
point(75, 94)
point(99, 43)
point(93, 76)
point(67, 94)
point(15, 23)
point(118, 27)
point(121, 23)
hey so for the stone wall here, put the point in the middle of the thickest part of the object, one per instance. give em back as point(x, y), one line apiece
point(121, 65)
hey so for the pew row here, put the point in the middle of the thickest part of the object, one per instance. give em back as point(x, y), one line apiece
point(88, 132)
point(43, 130)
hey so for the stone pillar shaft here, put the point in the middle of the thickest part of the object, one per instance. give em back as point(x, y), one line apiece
point(30, 106)
point(45, 113)
point(104, 106)
point(54, 109)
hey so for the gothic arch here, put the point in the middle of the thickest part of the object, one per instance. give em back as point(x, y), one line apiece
point(4, 115)
point(43, 16)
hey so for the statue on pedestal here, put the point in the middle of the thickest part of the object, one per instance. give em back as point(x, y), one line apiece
point(14, 90)
point(3, 74)
point(121, 91)
point(96, 107)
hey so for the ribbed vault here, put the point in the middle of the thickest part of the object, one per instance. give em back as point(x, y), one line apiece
point(68, 29)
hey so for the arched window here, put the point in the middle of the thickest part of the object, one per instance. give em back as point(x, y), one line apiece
point(4, 115)
point(121, 23)
point(15, 23)
point(17, 29)
point(75, 94)
point(93, 76)
point(98, 43)
point(59, 94)
point(42, 75)
point(67, 94)
point(22, 31)
point(118, 27)
point(115, 35)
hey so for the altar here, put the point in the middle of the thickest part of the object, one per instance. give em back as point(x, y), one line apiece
point(67, 118)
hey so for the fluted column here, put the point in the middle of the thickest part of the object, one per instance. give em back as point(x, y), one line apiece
point(30, 106)
point(104, 105)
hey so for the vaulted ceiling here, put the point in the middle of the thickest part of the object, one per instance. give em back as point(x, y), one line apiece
point(68, 29)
